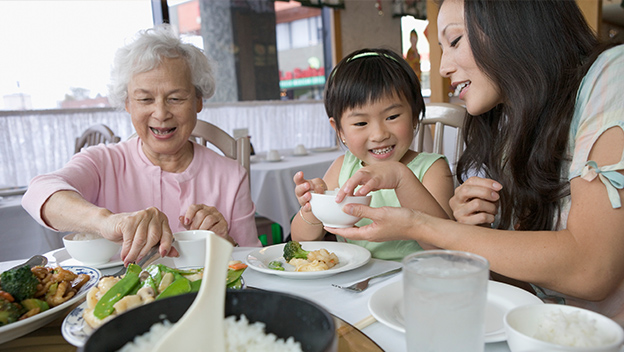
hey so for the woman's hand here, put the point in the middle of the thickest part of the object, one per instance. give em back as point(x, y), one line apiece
point(386, 175)
point(303, 188)
point(475, 201)
point(389, 223)
point(139, 232)
point(204, 217)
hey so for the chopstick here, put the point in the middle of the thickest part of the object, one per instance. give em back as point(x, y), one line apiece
point(365, 322)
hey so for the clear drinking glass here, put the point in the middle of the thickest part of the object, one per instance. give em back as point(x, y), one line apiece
point(445, 293)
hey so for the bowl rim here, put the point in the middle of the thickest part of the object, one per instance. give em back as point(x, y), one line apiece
point(67, 238)
point(333, 195)
point(547, 307)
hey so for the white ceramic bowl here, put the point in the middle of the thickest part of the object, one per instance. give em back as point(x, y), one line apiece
point(522, 323)
point(325, 208)
point(90, 249)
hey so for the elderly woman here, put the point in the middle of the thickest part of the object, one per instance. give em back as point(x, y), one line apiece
point(142, 190)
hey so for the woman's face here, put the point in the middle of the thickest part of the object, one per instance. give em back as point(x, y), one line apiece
point(163, 105)
point(477, 90)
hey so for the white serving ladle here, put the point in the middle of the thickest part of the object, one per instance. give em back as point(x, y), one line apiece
point(201, 328)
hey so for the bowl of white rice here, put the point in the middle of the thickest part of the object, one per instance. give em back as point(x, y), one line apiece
point(554, 327)
point(254, 321)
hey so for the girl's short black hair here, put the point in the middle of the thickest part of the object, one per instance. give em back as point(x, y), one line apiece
point(369, 75)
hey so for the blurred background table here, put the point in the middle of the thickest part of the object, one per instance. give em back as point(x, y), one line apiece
point(272, 186)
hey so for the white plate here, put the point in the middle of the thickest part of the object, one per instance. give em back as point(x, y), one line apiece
point(23, 327)
point(324, 149)
point(386, 305)
point(350, 256)
point(74, 329)
point(63, 258)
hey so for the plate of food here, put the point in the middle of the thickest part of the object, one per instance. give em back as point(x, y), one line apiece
point(65, 287)
point(308, 259)
point(80, 323)
point(386, 305)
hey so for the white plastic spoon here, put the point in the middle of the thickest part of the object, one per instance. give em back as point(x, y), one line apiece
point(201, 327)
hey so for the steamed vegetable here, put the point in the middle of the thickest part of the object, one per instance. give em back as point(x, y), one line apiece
point(21, 283)
point(125, 286)
point(292, 249)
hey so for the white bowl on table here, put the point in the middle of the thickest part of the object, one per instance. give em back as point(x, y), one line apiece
point(90, 249)
point(325, 208)
point(562, 325)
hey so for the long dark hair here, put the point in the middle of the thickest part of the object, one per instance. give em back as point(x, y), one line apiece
point(536, 52)
point(369, 75)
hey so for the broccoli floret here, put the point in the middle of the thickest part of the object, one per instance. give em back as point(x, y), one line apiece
point(276, 265)
point(293, 249)
point(21, 283)
point(9, 312)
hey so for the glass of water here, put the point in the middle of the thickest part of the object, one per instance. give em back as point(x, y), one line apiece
point(445, 293)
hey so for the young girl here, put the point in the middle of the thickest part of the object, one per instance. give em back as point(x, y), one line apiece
point(374, 103)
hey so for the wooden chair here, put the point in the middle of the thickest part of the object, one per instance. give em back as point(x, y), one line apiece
point(95, 135)
point(440, 116)
point(238, 149)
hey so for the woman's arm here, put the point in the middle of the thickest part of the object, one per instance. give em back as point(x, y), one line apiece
point(583, 261)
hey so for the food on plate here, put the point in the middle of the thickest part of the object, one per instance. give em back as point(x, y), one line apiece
point(302, 260)
point(115, 295)
point(276, 265)
point(25, 291)
point(240, 335)
point(570, 329)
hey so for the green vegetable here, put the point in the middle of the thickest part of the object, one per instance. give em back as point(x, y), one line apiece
point(127, 284)
point(9, 312)
point(177, 287)
point(234, 279)
point(292, 249)
point(21, 283)
point(33, 303)
point(195, 285)
point(276, 265)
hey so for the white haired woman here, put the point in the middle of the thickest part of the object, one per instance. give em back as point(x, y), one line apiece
point(141, 191)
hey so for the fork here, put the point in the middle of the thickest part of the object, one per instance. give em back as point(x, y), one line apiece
point(363, 285)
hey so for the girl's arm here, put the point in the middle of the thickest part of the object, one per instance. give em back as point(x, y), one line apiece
point(305, 226)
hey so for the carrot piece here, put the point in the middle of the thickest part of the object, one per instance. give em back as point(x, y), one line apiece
point(237, 266)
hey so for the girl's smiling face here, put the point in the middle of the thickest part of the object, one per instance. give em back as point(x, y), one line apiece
point(379, 130)
point(477, 90)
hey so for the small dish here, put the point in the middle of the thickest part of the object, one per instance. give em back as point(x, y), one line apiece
point(90, 249)
point(325, 208)
point(62, 258)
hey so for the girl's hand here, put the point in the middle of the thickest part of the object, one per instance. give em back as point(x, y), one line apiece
point(204, 217)
point(139, 232)
point(303, 188)
point(476, 201)
point(386, 175)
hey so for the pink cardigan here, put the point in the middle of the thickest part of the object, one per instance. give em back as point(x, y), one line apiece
point(120, 178)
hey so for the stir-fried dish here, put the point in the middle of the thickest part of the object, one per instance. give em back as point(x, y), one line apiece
point(25, 291)
point(302, 260)
point(114, 295)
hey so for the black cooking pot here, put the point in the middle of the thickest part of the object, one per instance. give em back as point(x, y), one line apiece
point(283, 314)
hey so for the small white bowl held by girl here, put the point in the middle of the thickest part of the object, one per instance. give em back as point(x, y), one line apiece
point(554, 327)
point(325, 208)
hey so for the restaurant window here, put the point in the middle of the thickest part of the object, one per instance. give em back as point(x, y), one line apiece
point(57, 54)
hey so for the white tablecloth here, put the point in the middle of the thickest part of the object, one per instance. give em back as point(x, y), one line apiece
point(349, 306)
point(20, 235)
point(272, 186)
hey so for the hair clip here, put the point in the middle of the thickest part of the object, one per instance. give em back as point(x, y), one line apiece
point(371, 53)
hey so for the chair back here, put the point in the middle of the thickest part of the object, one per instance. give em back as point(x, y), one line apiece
point(238, 149)
point(95, 135)
point(439, 116)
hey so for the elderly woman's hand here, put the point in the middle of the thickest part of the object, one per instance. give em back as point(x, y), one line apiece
point(475, 201)
point(204, 217)
point(139, 232)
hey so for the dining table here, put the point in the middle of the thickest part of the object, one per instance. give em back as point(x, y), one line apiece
point(272, 185)
point(350, 309)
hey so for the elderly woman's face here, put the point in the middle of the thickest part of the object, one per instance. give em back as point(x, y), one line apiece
point(163, 105)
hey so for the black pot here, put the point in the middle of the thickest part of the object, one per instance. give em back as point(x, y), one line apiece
point(283, 314)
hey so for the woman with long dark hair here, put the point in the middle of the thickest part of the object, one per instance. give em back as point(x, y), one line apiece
point(544, 145)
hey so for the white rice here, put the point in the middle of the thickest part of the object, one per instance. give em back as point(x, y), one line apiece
point(240, 336)
point(570, 329)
